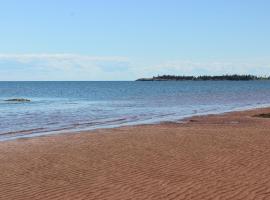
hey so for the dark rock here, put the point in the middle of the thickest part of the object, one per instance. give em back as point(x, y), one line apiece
point(18, 100)
point(264, 115)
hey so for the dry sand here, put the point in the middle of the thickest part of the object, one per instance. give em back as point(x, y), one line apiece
point(212, 157)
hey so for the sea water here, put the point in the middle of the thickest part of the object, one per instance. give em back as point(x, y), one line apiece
point(75, 106)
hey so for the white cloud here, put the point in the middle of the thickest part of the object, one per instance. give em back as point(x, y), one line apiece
point(64, 66)
point(59, 56)
point(256, 67)
point(85, 67)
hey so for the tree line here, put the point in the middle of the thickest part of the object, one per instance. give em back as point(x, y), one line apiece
point(234, 77)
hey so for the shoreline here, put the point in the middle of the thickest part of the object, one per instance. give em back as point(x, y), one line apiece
point(131, 124)
point(223, 156)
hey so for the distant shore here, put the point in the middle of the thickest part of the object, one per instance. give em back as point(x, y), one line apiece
point(205, 78)
point(209, 157)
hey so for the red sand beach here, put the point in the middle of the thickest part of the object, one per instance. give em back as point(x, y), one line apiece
point(210, 157)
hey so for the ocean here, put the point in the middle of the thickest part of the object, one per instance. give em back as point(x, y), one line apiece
point(57, 107)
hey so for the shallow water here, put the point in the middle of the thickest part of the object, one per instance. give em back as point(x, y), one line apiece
point(57, 106)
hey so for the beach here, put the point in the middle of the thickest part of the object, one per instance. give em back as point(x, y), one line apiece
point(223, 156)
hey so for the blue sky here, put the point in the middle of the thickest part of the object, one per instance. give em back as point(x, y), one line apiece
point(128, 39)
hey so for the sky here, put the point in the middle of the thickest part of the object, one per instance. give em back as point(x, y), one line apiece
point(128, 39)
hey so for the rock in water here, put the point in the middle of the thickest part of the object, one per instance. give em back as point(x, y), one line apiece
point(263, 115)
point(18, 100)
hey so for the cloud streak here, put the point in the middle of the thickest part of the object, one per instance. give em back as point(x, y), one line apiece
point(256, 67)
point(59, 56)
point(65, 66)
point(84, 67)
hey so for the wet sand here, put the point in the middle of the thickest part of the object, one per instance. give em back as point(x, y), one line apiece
point(210, 157)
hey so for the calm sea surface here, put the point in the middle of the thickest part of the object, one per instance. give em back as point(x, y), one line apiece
point(65, 106)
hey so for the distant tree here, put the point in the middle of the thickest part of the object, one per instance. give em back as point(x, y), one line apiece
point(233, 77)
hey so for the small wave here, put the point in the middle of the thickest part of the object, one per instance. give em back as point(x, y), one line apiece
point(28, 131)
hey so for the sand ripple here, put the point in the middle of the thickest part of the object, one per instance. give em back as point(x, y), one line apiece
point(206, 158)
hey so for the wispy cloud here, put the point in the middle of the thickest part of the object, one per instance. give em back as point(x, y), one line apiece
point(256, 67)
point(24, 57)
point(66, 66)
point(85, 67)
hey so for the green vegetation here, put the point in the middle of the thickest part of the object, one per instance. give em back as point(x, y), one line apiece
point(234, 77)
